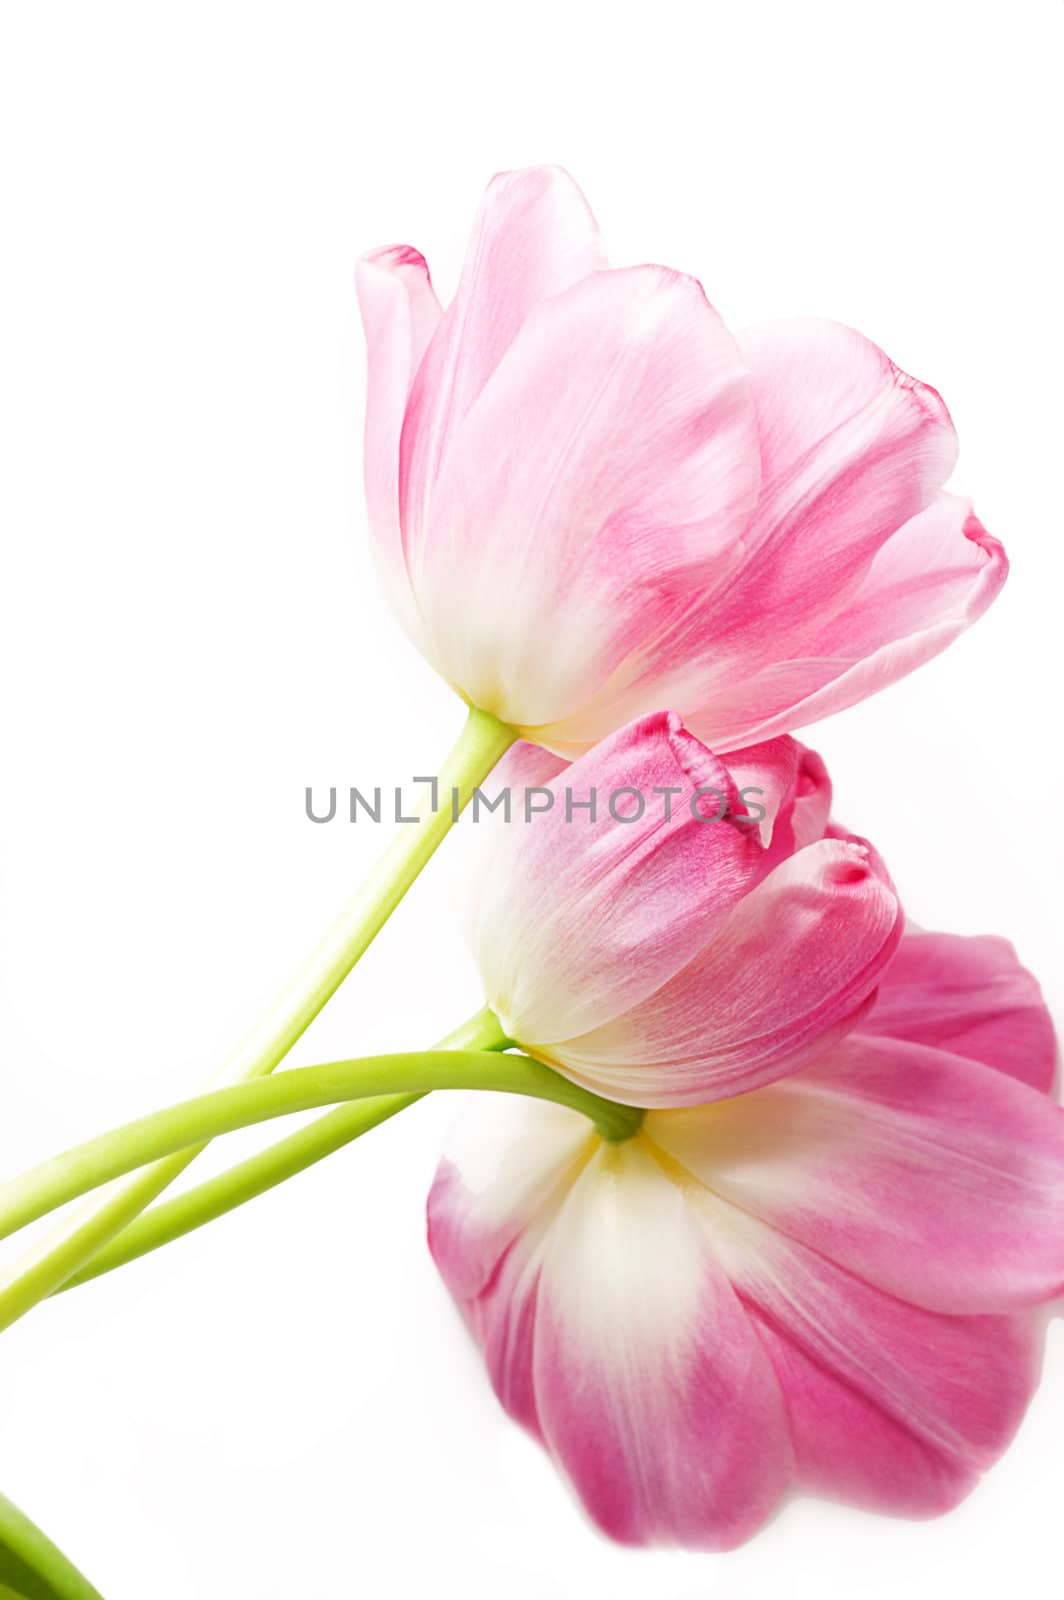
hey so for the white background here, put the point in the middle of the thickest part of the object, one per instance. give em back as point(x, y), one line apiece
point(286, 1405)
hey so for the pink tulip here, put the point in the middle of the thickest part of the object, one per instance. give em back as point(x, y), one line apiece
point(680, 955)
point(830, 1283)
point(588, 500)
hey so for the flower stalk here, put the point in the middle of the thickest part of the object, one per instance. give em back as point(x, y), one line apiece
point(194, 1122)
point(30, 1565)
point(184, 1213)
point(482, 741)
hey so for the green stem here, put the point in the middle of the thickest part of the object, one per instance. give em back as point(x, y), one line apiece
point(31, 1568)
point(172, 1219)
point(111, 1155)
point(482, 741)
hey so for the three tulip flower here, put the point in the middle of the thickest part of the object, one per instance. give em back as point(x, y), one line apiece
point(654, 550)
point(790, 1204)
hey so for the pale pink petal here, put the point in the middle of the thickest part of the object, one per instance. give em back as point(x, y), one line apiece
point(596, 491)
point(767, 776)
point(610, 1332)
point(892, 1408)
point(791, 967)
point(890, 1405)
point(931, 1176)
point(608, 506)
point(971, 996)
point(574, 916)
point(851, 448)
point(791, 785)
point(811, 807)
point(400, 313)
point(509, 1160)
point(524, 766)
point(534, 236)
point(652, 1390)
point(781, 778)
point(928, 583)
point(626, 1296)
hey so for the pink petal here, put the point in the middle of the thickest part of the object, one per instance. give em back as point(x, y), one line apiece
point(782, 778)
point(931, 1176)
point(534, 236)
point(596, 490)
point(791, 785)
point(890, 1405)
point(891, 1408)
point(400, 313)
point(626, 1296)
point(928, 583)
point(574, 919)
point(525, 766)
point(766, 776)
point(854, 570)
point(612, 1335)
point(652, 1390)
point(971, 996)
point(851, 448)
point(791, 967)
point(508, 1160)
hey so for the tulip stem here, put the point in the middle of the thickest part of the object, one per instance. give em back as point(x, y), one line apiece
point(173, 1218)
point(193, 1122)
point(184, 1213)
point(30, 1564)
point(482, 741)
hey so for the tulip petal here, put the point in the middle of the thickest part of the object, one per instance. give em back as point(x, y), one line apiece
point(927, 584)
point(534, 236)
point(599, 486)
point(791, 785)
point(970, 996)
point(524, 766)
point(506, 1158)
point(574, 916)
point(400, 313)
point(608, 505)
point(610, 1332)
point(931, 1176)
point(791, 967)
point(766, 776)
point(615, 1289)
point(780, 777)
point(851, 448)
point(890, 1407)
point(652, 1389)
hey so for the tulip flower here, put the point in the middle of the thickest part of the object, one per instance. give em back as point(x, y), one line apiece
point(831, 1283)
point(641, 929)
point(588, 500)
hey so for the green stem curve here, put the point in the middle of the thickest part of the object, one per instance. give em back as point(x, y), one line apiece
point(31, 1568)
point(193, 1122)
point(245, 1181)
point(184, 1213)
point(482, 741)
